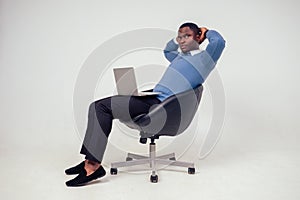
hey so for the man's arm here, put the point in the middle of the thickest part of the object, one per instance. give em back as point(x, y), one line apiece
point(171, 50)
point(216, 43)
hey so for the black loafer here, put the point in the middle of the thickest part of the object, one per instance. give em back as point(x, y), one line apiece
point(82, 178)
point(75, 170)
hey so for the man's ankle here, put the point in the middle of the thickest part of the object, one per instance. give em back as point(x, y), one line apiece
point(91, 166)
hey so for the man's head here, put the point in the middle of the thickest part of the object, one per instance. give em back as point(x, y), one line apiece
point(188, 37)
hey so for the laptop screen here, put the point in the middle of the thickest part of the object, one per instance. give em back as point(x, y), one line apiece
point(125, 81)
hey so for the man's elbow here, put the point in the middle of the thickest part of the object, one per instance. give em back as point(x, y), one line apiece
point(170, 55)
point(216, 48)
point(221, 43)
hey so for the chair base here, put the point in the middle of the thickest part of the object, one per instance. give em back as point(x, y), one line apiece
point(153, 161)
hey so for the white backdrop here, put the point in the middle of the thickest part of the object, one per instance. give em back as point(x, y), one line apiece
point(43, 45)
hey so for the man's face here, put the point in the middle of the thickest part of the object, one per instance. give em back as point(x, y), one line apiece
point(187, 39)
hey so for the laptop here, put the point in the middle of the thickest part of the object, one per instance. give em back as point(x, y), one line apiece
point(126, 82)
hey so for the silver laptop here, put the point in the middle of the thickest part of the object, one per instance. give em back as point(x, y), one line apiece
point(126, 82)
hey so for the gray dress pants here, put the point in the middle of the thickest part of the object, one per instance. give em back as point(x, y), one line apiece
point(102, 113)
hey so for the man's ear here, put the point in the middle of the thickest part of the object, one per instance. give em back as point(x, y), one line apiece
point(198, 38)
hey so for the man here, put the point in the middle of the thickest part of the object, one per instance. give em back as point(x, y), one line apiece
point(188, 69)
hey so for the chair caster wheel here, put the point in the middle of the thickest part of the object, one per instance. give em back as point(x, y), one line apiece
point(143, 140)
point(129, 159)
point(154, 178)
point(113, 171)
point(191, 170)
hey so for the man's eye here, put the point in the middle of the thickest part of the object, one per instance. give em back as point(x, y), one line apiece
point(183, 37)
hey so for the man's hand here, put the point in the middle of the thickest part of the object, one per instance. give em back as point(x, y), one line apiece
point(202, 36)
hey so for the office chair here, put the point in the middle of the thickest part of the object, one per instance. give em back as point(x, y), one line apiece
point(169, 118)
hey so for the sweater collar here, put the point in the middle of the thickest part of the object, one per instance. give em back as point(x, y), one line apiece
point(192, 53)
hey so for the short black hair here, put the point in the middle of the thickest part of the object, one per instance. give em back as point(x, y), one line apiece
point(192, 26)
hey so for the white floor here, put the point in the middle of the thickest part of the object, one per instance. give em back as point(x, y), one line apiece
point(240, 167)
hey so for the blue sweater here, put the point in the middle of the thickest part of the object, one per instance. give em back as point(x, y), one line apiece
point(188, 70)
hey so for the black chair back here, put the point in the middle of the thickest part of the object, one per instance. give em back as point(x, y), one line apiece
point(171, 117)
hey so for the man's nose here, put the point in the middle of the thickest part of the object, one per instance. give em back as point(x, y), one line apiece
point(181, 41)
